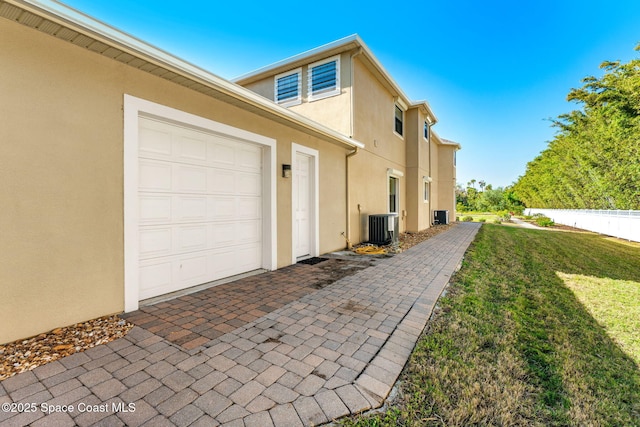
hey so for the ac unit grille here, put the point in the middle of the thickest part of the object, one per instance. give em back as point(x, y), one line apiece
point(383, 229)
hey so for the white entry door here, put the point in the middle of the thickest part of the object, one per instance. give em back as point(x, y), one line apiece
point(303, 208)
point(200, 207)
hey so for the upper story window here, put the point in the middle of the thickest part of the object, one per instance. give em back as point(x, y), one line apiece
point(426, 130)
point(288, 88)
point(399, 121)
point(324, 78)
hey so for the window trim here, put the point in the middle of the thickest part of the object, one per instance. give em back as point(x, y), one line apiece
point(324, 93)
point(426, 188)
point(396, 174)
point(426, 130)
point(289, 101)
point(395, 109)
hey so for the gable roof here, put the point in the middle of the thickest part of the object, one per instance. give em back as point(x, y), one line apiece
point(68, 24)
point(352, 42)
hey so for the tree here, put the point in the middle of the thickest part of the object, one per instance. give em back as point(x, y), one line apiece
point(594, 159)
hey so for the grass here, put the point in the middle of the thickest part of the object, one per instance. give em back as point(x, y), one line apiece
point(480, 217)
point(537, 329)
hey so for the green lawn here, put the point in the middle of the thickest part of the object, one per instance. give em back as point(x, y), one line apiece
point(539, 328)
point(478, 216)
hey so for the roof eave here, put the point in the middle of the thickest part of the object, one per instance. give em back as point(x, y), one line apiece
point(343, 44)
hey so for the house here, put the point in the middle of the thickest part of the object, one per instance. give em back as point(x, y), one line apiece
point(405, 168)
point(130, 174)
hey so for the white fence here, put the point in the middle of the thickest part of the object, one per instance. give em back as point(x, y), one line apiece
point(622, 224)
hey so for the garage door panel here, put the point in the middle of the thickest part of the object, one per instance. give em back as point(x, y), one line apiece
point(190, 238)
point(190, 208)
point(249, 159)
point(155, 279)
point(224, 208)
point(155, 175)
point(200, 207)
point(249, 208)
point(222, 235)
point(190, 271)
point(221, 181)
point(155, 141)
point(191, 148)
point(248, 231)
point(249, 257)
point(248, 184)
point(155, 209)
point(155, 242)
point(189, 179)
point(221, 154)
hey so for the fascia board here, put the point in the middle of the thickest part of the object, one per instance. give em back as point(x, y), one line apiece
point(424, 105)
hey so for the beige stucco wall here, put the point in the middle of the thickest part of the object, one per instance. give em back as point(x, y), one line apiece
point(418, 210)
point(447, 179)
point(62, 178)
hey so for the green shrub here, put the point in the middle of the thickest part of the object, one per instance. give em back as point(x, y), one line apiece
point(497, 221)
point(544, 221)
point(467, 218)
point(482, 220)
point(504, 215)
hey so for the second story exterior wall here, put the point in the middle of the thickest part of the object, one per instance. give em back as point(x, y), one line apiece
point(332, 110)
point(397, 170)
point(373, 116)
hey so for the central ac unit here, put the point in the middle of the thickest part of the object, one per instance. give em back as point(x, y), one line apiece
point(383, 229)
point(441, 217)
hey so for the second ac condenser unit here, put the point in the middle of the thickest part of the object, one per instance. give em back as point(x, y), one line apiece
point(441, 217)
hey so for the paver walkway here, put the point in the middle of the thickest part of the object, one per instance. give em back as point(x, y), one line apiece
point(193, 320)
point(332, 352)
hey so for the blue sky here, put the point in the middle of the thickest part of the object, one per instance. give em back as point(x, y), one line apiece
point(494, 72)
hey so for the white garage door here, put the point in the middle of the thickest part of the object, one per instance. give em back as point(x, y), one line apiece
point(200, 207)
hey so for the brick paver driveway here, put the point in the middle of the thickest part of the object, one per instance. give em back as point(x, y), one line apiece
point(332, 352)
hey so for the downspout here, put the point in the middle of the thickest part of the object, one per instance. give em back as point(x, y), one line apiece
point(430, 125)
point(348, 231)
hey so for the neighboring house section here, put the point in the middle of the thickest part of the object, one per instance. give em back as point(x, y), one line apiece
point(404, 168)
point(127, 173)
